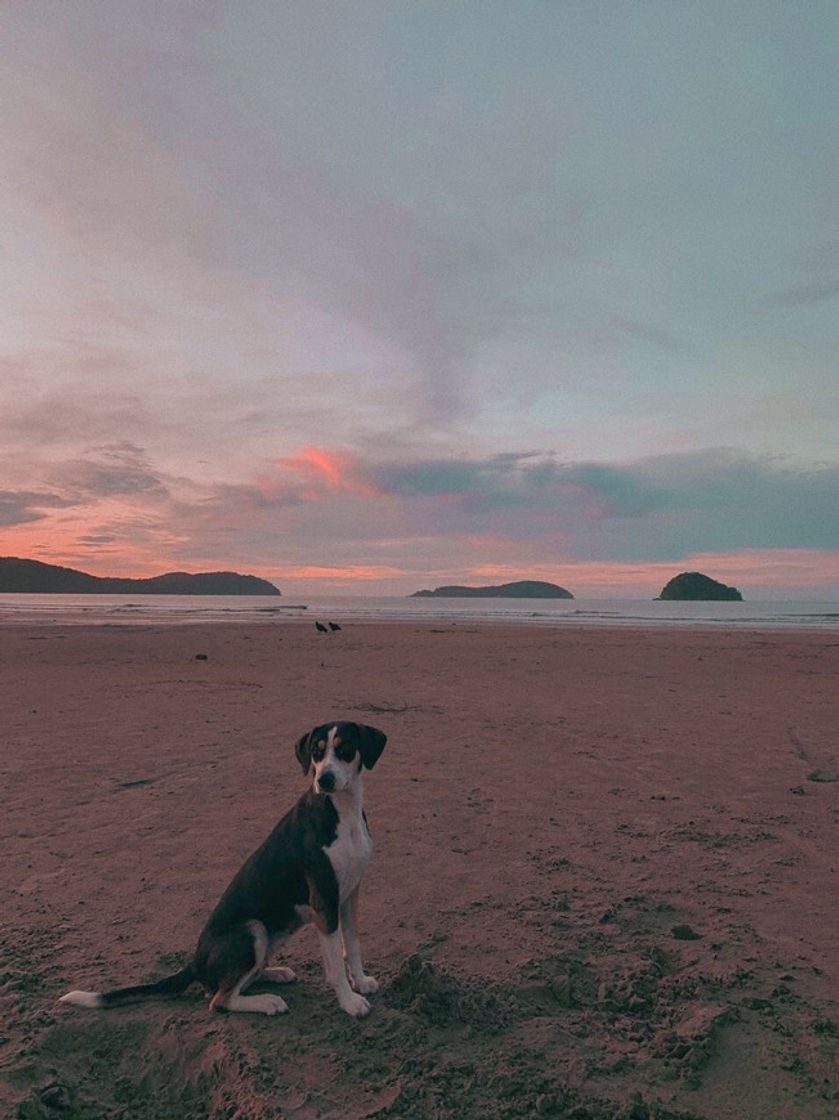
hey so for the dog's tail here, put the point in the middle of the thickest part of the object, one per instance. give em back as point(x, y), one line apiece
point(168, 986)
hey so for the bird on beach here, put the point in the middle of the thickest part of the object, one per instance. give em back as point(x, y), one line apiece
point(334, 626)
point(321, 628)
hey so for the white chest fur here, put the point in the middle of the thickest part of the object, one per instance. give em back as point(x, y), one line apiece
point(349, 852)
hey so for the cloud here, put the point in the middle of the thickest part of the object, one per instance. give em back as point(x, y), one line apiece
point(651, 334)
point(323, 510)
point(330, 471)
point(526, 511)
point(110, 500)
point(19, 507)
point(119, 469)
point(657, 507)
point(802, 295)
point(72, 396)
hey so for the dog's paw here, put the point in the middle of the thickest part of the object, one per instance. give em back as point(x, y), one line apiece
point(268, 1004)
point(279, 975)
point(366, 985)
point(355, 1005)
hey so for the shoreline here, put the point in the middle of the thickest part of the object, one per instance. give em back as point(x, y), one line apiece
point(540, 624)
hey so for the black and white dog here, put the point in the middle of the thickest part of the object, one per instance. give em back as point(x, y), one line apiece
point(308, 869)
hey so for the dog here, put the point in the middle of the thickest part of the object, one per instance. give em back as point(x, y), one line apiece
point(308, 870)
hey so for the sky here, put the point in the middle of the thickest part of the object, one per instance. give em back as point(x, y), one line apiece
point(376, 296)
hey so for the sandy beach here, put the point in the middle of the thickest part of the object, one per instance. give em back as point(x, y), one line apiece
point(604, 885)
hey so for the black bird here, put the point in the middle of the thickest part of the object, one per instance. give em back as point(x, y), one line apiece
point(334, 626)
point(321, 628)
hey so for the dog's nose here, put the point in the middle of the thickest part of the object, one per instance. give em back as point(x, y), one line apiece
point(326, 781)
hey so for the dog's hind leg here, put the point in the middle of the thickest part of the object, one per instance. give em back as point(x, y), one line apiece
point(238, 961)
point(263, 1004)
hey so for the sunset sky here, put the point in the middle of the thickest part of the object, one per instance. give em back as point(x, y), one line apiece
point(374, 296)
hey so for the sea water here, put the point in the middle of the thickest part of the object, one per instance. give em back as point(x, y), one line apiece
point(346, 609)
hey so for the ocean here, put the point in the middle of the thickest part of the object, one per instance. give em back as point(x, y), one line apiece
point(346, 609)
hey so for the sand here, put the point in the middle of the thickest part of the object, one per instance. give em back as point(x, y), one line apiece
point(604, 882)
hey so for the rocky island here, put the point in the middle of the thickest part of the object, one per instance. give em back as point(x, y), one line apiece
point(698, 587)
point(521, 589)
point(32, 576)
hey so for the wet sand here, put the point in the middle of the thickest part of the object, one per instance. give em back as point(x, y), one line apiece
point(605, 877)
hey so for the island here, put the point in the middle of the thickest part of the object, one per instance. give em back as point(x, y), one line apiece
point(696, 586)
point(521, 589)
point(32, 576)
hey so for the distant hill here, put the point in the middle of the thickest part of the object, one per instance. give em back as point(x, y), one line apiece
point(521, 589)
point(32, 576)
point(696, 586)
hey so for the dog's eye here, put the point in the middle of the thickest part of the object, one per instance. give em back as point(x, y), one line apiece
point(346, 752)
point(318, 752)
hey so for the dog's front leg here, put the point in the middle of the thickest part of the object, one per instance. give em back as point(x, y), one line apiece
point(336, 975)
point(323, 899)
point(352, 946)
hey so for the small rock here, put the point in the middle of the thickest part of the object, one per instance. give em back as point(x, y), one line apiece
point(57, 1097)
point(685, 933)
point(200, 657)
point(637, 1108)
point(823, 776)
point(701, 1021)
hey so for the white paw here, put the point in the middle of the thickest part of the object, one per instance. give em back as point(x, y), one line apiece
point(354, 1005)
point(366, 985)
point(269, 1005)
point(82, 999)
point(279, 975)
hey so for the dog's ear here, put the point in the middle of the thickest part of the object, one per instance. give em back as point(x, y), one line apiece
point(371, 743)
point(303, 750)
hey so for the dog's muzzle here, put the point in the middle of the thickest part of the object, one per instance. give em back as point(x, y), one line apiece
point(326, 782)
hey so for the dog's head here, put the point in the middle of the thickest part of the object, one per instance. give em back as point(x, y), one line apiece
point(336, 753)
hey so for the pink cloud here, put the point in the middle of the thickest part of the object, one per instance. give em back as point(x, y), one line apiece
point(330, 472)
